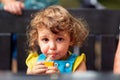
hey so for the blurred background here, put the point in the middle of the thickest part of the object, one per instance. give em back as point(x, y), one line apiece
point(109, 4)
point(99, 48)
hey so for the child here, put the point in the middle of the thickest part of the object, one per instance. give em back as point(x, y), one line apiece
point(52, 31)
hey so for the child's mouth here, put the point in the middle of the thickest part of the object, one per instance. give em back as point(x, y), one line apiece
point(50, 57)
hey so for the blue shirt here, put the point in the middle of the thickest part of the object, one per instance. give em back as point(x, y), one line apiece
point(39, 4)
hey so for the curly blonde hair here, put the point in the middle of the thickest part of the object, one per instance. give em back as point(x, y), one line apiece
point(56, 19)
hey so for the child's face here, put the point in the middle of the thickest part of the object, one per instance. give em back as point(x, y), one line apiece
point(54, 46)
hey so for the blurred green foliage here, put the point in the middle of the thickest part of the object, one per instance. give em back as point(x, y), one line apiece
point(69, 3)
point(109, 4)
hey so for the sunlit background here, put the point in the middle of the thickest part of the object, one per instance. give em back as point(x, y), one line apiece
point(109, 4)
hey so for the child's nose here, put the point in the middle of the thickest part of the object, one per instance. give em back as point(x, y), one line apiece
point(52, 45)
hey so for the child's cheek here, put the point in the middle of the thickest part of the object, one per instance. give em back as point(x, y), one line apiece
point(44, 49)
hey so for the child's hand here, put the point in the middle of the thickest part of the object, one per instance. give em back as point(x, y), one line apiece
point(39, 68)
point(52, 70)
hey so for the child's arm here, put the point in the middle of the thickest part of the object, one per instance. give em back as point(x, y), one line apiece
point(81, 67)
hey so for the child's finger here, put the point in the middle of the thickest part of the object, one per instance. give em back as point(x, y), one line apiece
point(52, 70)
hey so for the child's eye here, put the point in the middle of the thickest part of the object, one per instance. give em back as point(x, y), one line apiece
point(60, 39)
point(45, 39)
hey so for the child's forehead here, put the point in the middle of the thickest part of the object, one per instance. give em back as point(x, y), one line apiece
point(45, 31)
